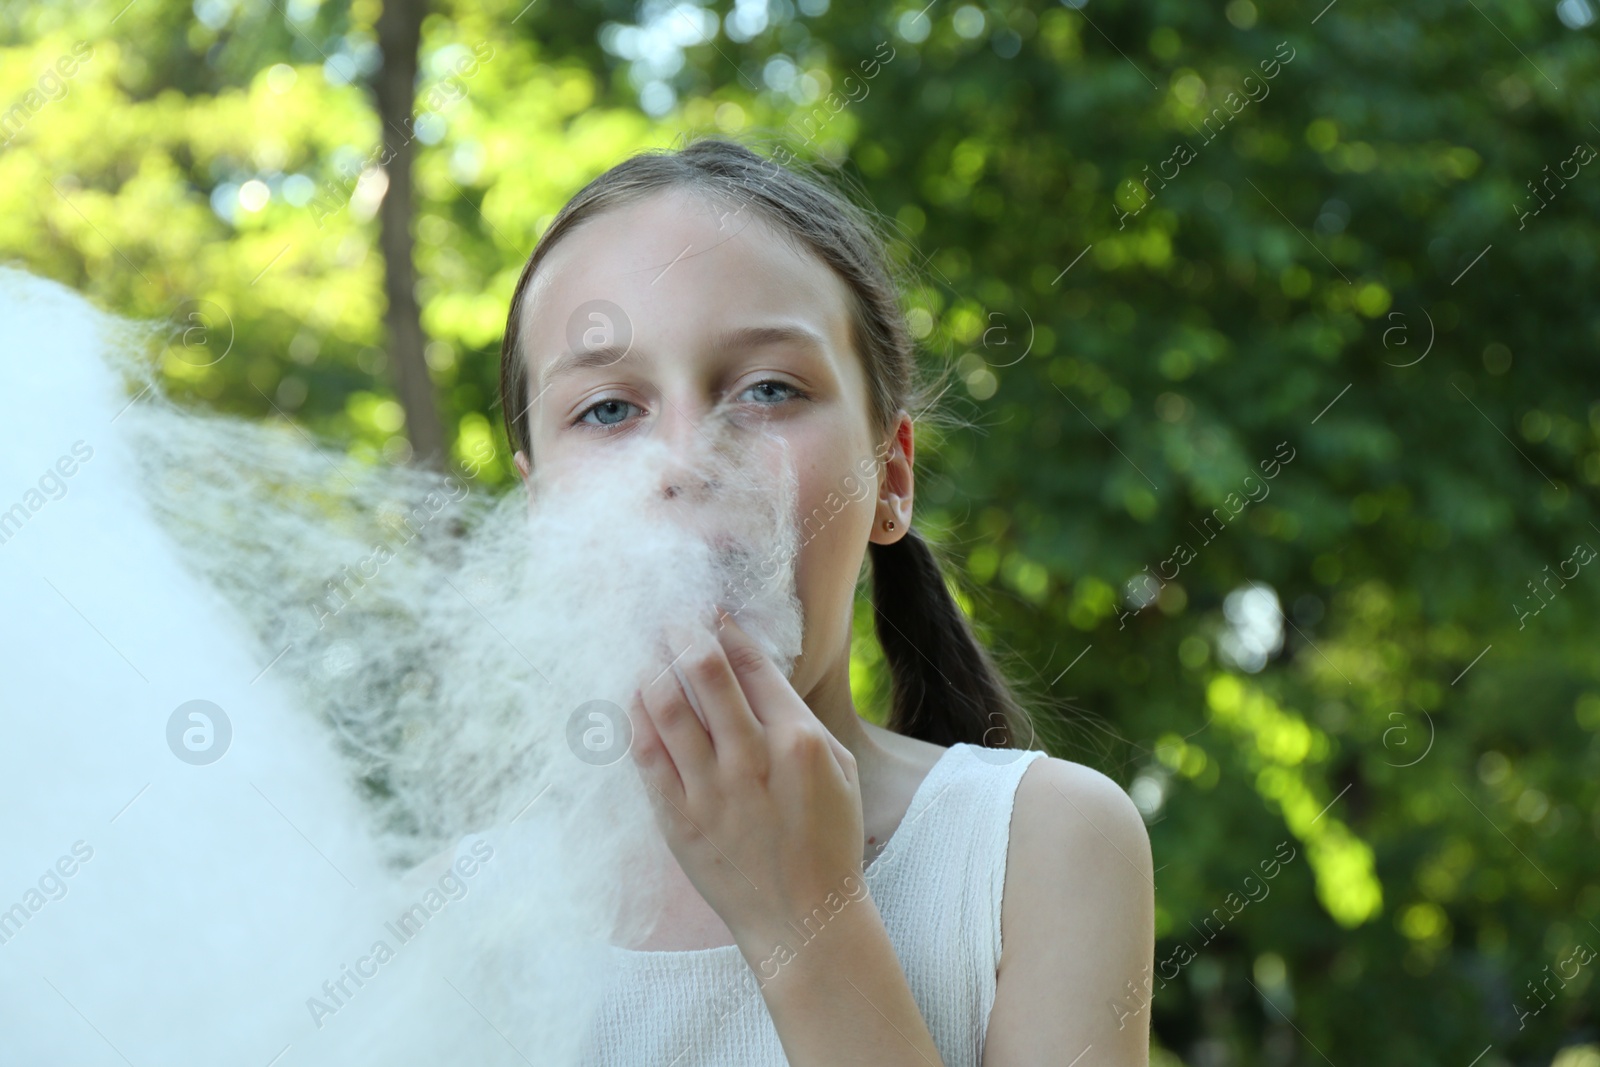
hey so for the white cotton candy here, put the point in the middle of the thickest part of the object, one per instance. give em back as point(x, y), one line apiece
point(423, 686)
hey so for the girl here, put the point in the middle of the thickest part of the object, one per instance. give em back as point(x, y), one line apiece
point(846, 894)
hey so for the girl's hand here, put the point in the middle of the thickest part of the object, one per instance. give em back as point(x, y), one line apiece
point(761, 806)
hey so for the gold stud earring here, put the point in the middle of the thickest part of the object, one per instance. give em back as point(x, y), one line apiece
point(888, 524)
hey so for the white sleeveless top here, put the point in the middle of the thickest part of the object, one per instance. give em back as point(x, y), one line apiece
point(937, 882)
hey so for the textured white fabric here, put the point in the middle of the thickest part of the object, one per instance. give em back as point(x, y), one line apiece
point(937, 882)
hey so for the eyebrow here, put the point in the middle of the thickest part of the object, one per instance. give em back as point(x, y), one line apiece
point(728, 340)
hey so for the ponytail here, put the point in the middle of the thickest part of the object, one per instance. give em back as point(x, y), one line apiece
point(946, 688)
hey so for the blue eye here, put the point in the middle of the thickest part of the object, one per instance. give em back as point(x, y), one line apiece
point(771, 385)
point(606, 412)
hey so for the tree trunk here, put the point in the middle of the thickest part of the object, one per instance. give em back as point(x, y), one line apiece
point(399, 36)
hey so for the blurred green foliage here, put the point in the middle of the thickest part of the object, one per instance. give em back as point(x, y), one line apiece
point(1341, 262)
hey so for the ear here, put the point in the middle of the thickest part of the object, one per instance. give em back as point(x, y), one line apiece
point(520, 458)
point(895, 482)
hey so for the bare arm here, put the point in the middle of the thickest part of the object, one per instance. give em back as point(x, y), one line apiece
point(842, 998)
point(1077, 926)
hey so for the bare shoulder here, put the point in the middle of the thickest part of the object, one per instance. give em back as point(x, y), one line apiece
point(1075, 835)
point(1077, 920)
point(1062, 806)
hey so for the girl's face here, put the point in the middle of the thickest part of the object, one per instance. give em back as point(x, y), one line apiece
point(717, 309)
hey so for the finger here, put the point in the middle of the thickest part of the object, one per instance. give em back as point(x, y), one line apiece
point(772, 699)
point(767, 691)
point(649, 752)
point(679, 728)
point(736, 732)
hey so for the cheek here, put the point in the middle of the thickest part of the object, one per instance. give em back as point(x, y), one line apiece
point(833, 535)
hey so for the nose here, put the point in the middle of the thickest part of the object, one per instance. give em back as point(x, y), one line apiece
point(688, 478)
point(688, 429)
